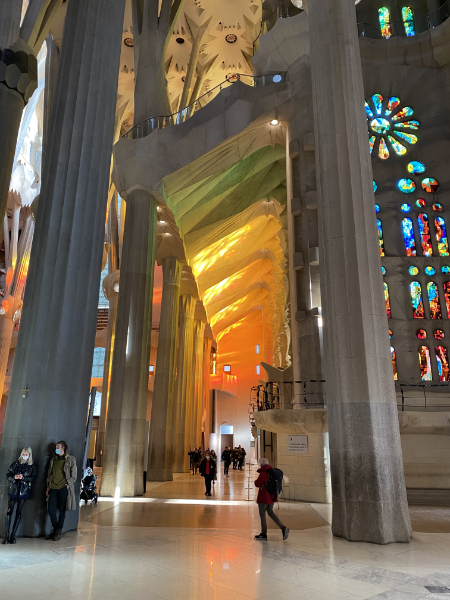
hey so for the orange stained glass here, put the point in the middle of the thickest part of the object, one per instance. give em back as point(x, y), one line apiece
point(447, 296)
point(394, 363)
point(425, 363)
point(442, 363)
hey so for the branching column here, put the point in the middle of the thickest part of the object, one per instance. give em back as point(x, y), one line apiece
point(184, 384)
point(123, 456)
point(160, 450)
point(368, 486)
point(111, 292)
point(53, 359)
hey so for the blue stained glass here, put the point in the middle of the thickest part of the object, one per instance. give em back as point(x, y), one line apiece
point(377, 100)
point(416, 167)
point(406, 186)
point(425, 235)
point(405, 207)
point(369, 111)
point(408, 236)
point(377, 208)
point(375, 187)
point(393, 102)
point(380, 237)
point(416, 299)
point(408, 21)
point(413, 270)
point(383, 270)
point(445, 269)
point(430, 271)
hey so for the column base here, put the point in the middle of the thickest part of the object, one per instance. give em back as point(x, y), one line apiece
point(155, 475)
point(168, 475)
point(180, 469)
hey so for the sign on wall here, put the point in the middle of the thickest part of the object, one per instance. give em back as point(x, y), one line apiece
point(298, 444)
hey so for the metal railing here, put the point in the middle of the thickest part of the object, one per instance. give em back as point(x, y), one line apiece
point(420, 24)
point(415, 396)
point(146, 127)
point(283, 10)
point(273, 395)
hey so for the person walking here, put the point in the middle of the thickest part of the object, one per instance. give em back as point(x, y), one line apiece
point(241, 458)
point(20, 475)
point(61, 478)
point(208, 471)
point(226, 457)
point(265, 501)
point(235, 456)
point(196, 458)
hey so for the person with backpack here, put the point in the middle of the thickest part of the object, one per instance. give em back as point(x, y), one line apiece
point(269, 484)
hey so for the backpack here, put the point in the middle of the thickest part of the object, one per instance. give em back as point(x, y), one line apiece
point(275, 483)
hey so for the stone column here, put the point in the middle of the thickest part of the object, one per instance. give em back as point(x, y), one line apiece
point(198, 34)
point(111, 292)
point(55, 347)
point(206, 383)
point(195, 432)
point(368, 486)
point(184, 384)
point(8, 310)
point(160, 449)
point(123, 456)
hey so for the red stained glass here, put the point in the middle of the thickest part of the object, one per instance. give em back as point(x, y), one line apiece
point(421, 334)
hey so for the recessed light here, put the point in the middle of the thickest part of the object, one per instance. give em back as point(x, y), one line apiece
point(274, 122)
point(179, 40)
point(162, 222)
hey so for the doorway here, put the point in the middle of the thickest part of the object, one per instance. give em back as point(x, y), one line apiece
point(226, 437)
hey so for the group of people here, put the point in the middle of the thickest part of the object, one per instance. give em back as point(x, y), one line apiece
point(233, 455)
point(196, 455)
point(61, 478)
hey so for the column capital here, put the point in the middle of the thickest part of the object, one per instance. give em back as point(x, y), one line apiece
point(18, 69)
point(9, 308)
point(110, 285)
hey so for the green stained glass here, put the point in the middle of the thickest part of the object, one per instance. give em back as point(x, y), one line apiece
point(384, 18)
point(405, 112)
point(406, 186)
point(399, 148)
point(416, 167)
point(371, 142)
point(383, 151)
point(409, 137)
point(413, 270)
point(408, 125)
point(408, 21)
point(445, 269)
point(368, 110)
point(377, 100)
point(393, 102)
point(375, 187)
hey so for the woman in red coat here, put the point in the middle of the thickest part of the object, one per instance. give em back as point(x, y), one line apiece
point(265, 502)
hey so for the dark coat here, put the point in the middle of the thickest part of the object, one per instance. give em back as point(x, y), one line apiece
point(226, 457)
point(212, 467)
point(20, 487)
point(263, 479)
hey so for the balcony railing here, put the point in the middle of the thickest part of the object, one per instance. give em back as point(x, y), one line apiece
point(432, 397)
point(397, 28)
point(146, 127)
point(273, 395)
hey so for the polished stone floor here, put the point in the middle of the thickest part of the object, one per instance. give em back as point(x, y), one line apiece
point(176, 544)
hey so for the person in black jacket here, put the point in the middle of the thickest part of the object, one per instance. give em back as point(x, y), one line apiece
point(208, 471)
point(226, 457)
point(20, 475)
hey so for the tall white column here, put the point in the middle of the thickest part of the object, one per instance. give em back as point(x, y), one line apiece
point(54, 353)
point(195, 433)
point(368, 486)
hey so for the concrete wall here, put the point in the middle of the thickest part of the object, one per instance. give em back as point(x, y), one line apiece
point(308, 474)
point(426, 460)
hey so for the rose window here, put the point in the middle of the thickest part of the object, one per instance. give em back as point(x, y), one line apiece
point(387, 126)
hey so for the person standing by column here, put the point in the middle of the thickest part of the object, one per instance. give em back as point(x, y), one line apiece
point(208, 471)
point(20, 475)
point(226, 457)
point(61, 477)
point(266, 501)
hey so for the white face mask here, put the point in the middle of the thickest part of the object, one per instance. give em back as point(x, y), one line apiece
point(25, 457)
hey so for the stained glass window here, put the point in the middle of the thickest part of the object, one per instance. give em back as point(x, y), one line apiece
point(447, 296)
point(405, 207)
point(407, 125)
point(408, 137)
point(405, 112)
point(408, 21)
point(408, 236)
point(437, 207)
point(377, 100)
point(384, 17)
point(445, 269)
point(386, 298)
point(369, 112)
point(442, 363)
point(371, 142)
point(438, 334)
point(421, 203)
point(433, 300)
point(98, 362)
point(425, 363)
point(377, 208)
point(425, 236)
point(399, 148)
point(383, 150)
point(383, 270)
point(413, 270)
point(441, 236)
point(416, 300)
point(421, 334)
point(406, 186)
point(416, 167)
point(390, 333)
point(393, 102)
point(375, 186)
point(430, 185)
point(430, 271)
point(394, 363)
point(380, 237)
